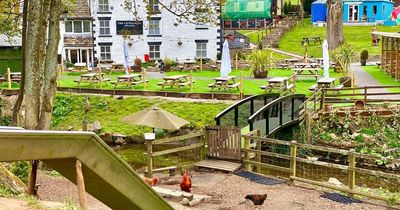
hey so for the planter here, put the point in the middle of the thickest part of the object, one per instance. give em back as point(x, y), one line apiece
point(363, 62)
point(328, 107)
point(359, 104)
point(260, 74)
point(346, 81)
point(137, 69)
point(337, 69)
point(166, 68)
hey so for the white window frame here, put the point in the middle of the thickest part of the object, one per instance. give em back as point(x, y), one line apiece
point(201, 49)
point(104, 27)
point(154, 27)
point(74, 23)
point(104, 6)
point(153, 52)
point(154, 5)
point(105, 52)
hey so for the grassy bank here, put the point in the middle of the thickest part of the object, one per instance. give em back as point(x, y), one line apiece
point(10, 58)
point(382, 77)
point(69, 111)
point(358, 36)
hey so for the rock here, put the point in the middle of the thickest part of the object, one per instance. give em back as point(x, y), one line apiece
point(107, 138)
point(96, 126)
point(116, 148)
point(333, 136)
point(120, 141)
point(354, 135)
point(119, 97)
point(184, 202)
point(70, 128)
point(334, 181)
point(173, 195)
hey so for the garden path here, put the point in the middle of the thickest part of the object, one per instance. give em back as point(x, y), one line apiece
point(365, 79)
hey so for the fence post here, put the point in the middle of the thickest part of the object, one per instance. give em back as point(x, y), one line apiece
point(241, 84)
point(365, 95)
point(308, 127)
point(258, 156)
point(246, 154)
point(203, 150)
point(322, 99)
point(143, 78)
point(351, 170)
point(149, 158)
point(9, 78)
point(191, 80)
point(293, 155)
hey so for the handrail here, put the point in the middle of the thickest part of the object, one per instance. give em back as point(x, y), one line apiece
point(237, 104)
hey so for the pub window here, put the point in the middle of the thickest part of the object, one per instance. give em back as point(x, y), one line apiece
point(103, 6)
point(104, 27)
point(154, 51)
point(201, 49)
point(105, 52)
point(77, 26)
point(68, 26)
point(154, 27)
point(374, 9)
point(154, 5)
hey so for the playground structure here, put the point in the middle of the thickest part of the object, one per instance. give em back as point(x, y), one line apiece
point(106, 176)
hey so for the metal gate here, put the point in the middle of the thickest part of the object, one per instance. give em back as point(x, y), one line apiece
point(224, 142)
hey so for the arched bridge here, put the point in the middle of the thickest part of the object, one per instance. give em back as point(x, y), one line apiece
point(267, 112)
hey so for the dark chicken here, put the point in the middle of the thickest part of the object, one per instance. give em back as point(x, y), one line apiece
point(257, 199)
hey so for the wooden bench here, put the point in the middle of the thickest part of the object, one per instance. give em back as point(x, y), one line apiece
point(213, 67)
point(236, 85)
point(171, 170)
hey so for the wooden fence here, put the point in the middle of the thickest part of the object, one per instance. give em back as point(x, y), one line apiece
point(224, 142)
point(288, 163)
point(150, 154)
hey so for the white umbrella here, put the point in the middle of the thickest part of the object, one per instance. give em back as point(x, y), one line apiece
point(126, 55)
point(325, 53)
point(225, 60)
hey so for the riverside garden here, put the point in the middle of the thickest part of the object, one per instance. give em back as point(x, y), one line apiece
point(337, 141)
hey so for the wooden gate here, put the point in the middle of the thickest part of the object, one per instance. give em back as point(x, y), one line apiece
point(224, 142)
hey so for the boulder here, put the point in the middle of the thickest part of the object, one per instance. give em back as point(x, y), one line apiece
point(335, 181)
point(120, 141)
point(96, 126)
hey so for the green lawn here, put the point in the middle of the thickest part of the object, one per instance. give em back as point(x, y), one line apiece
point(358, 36)
point(10, 58)
point(202, 79)
point(254, 35)
point(382, 77)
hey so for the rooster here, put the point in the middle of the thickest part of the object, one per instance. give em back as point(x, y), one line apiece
point(186, 183)
point(257, 200)
point(150, 181)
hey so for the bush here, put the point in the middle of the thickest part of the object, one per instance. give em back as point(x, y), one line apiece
point(364, 55)
point(343, 56)
point(168, 61)
point(138, 61)
point(21, 170)
point(69, 64)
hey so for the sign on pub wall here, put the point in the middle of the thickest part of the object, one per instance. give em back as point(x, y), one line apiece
point(134, 27)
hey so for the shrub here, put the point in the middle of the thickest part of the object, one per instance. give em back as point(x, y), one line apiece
point(21, 170)
point(343, 56)
point(260, 61)
point(168, 61)
point(364, 55)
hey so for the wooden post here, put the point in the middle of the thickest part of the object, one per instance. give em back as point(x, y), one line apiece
point(322, 103)
point(365, 95)
point(241, 84)
point(351, 170)
point(144, 78)
point(149, 158)
point(293, 156)
point(258, 156)
point(191, 80)
point(85, 123)
point(308, 127)
point(382, 53)
point(59, 75)
point(236, 61)
point(100, 78)
point(80, 182)
point(246, 145)
point(201, 63)
point(203, 150)
point(9, 78)
point(62, 63)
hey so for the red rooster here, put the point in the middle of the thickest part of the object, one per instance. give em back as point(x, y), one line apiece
point(151, 181)
point(186, 183)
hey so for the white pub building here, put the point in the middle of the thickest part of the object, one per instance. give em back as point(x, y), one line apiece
point(94, 31)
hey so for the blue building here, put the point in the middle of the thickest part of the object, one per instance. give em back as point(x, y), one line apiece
point(367, 11)
point(356, 11)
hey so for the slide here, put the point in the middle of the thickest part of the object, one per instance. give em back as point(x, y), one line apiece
point(107, 177)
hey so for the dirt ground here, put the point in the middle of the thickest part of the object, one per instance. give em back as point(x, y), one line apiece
point(227, 191)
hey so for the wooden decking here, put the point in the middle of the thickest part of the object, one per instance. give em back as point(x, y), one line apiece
point(219, 165)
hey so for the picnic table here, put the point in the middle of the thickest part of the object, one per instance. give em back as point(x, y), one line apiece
point(225, 83)
point(92, 78)
point(130, 80)
point(80, 67)
point(178, 80)
point(326, 82)
point(277, 83)
point(14, 76)
point(314, 39)
point(291, 60)
point(304, 65)
point(117, 67)
point(307, 71)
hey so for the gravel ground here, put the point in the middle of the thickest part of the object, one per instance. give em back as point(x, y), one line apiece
point(227, 191)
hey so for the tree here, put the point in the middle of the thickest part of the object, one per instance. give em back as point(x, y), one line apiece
point(334, 24)
point(40, 39)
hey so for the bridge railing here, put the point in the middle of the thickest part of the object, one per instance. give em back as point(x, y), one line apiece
point(280, 112)
point(238, 113)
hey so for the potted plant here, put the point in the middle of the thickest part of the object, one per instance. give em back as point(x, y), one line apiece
point(260, 62)
point(167, 64)
point(364, 57)
point(138, 65)
point(343, 56)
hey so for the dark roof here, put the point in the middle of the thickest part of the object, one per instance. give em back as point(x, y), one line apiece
point(81, 10)
point(78, 41)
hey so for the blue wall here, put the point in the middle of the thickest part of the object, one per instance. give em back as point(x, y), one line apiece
point(380, 15)
point(318, 12)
